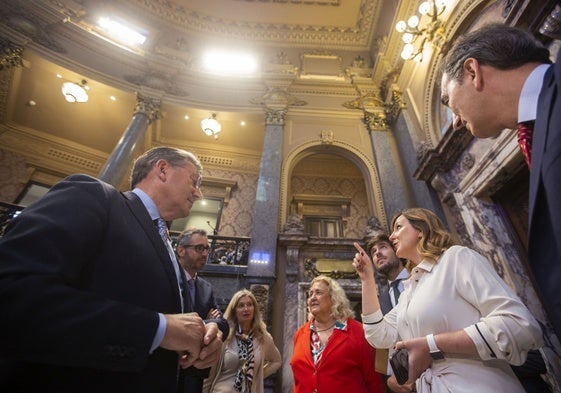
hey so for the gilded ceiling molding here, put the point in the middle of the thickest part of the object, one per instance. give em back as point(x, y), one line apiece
point(10, 55)
point(346, 37)
point(316, 2)
point(374, 111)
point(378, 114)
point(281, 65)
point(6, 79)
point(396, 105)
point(277, 98)
point(326, 137)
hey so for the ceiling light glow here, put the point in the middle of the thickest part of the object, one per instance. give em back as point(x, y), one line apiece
point(230, 63)
point(121, 32)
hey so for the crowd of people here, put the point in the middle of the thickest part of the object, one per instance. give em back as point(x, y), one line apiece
point(92, 290)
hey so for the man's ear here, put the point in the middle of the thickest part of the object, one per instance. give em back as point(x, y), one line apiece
point(161, 166)
point(180, 250)
point(473, 73)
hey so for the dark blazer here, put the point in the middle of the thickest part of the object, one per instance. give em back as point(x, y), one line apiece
point(545, 196)
point(204, 302)
point(83, 274)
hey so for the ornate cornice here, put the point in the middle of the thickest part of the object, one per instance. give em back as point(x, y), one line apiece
point(10, 55)
point(337, 36)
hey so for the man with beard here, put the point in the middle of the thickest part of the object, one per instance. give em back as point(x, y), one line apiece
point(392, 269)
point(192, 252)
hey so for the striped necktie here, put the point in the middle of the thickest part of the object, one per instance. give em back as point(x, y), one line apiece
point(525, 130)
point(164, 234)
point(162, 229)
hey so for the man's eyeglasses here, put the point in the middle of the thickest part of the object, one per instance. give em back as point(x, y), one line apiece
point(198, 247)
point(197, 183)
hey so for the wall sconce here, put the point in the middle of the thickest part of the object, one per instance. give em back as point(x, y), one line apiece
point(74, 92)
point(432, 31)
point(211, 126)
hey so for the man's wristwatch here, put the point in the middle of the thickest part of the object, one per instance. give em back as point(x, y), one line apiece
point(433, 349)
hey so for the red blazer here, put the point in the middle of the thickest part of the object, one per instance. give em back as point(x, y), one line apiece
point(346, 365)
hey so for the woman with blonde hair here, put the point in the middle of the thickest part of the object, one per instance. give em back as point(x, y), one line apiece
point(249, 354)
point(459, 322)
point(331, 354)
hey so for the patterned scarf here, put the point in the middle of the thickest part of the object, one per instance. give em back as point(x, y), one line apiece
point(316, 345)
point(244, 376)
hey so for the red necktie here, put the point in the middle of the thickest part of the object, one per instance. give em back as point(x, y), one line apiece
point(525, 130)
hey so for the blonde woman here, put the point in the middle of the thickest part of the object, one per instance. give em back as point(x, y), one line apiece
point(458, 320)
point(249, 354)
point(331, 354)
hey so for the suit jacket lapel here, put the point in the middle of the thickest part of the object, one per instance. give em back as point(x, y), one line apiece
point(539, 138)
point(141, 214)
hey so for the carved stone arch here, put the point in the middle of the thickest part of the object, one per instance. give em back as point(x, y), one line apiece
point(461, 18)
point(345, 150)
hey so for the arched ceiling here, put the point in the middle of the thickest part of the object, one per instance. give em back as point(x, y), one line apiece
point(314, 42)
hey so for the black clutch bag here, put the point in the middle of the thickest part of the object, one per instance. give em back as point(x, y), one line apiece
point(399, 362)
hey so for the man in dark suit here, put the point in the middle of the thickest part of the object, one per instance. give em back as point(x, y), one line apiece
point(501, 77)
point(89, 290)
point(495, 78)
point(389, 266)
point(192, 251)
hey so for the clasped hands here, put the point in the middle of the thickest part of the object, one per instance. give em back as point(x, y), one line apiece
point(198, 344)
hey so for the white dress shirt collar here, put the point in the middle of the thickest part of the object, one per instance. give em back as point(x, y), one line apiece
point(528, 103)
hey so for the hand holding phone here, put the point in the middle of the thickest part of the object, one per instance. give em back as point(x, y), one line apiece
point(399, 362)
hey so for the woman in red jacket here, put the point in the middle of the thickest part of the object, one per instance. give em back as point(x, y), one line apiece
point(330, 351)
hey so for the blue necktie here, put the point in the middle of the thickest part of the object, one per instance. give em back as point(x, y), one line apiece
point(163, 231)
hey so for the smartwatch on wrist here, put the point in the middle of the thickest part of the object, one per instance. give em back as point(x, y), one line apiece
point(435, 353)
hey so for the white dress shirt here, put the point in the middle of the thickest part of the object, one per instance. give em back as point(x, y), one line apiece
point(461, 291)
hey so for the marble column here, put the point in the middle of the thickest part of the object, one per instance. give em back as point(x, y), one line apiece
point(114, 170)
point(388, 167)
point(262, 254)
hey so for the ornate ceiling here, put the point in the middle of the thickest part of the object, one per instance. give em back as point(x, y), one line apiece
point(313, 46)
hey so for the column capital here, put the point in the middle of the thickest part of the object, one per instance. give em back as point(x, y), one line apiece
point(375, 121)
point(148, 106)
point(395, 105)
point(10, 55)
point(275, 117)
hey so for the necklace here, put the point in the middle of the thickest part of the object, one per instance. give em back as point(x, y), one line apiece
point(323, 330)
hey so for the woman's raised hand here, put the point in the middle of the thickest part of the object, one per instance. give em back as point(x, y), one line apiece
point(362, 263)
